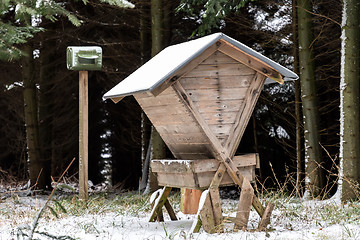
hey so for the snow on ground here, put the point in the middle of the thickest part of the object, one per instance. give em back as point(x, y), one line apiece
point(291, 219)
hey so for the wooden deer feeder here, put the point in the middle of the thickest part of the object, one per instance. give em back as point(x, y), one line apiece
point(199, 95)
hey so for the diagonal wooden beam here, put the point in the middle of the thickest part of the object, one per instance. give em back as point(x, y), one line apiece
point(170, 210)
point(242, 119)
point(159, 203)
point(218, 150)
point(251, 61)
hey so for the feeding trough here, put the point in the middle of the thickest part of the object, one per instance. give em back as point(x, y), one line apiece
point(195, 174)
point(199, 95)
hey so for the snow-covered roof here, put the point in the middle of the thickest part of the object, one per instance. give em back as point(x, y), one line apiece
point(158, 69)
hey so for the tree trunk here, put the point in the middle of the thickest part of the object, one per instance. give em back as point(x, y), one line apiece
point(156, 27)
point(314, 172)
point(145, 34)
point(167, 21)
point(158, 145)
point(45, 105)
point(349, 102)
point(145, 41)
point(299, 158)
point(36, 166)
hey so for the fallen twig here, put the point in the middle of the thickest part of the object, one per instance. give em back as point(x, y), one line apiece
point(38, 215)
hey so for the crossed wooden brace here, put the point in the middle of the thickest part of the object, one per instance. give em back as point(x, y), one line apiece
point(212, 214)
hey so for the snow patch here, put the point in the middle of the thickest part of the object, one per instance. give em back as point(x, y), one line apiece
point(155, 195)
point(171, 161)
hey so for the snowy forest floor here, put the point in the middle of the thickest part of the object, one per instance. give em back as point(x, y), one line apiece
point(125, 215)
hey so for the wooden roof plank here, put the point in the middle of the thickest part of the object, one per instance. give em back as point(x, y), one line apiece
point(251, 62)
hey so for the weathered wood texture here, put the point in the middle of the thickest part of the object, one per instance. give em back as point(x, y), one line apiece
point(190, 200)
point(244, 206)
point(250, 61)
point(187, 68)
point(83, 135)
point(224, 92)
point(176, 125)
point(202, 116)
point(207, 216)
point(265, 219)
point(221, 153)
point(218, 88)
point(199, 174)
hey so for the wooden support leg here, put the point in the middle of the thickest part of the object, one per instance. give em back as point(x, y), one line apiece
point(244, 207)
point(210, 212)
point(265, 219)
point(160, 215)
point(170, 210)
point(190, 200)
point(207, 216)
point(216, 209)
point(159, 203)
point(198, 222)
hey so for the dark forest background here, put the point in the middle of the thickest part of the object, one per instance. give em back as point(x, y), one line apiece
point(115, 134)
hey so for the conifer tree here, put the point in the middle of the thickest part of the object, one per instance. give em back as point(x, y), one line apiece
point(349, 101)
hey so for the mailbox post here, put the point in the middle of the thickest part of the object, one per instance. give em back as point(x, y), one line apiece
point(83, 59)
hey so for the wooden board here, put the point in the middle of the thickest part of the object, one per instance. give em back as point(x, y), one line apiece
point(190, 200)
point(204, 179)
point(198, 174)
point(207, 216)
point(222, 69)
point(223, 106)
point(183, 138)
point(244, 114)
point(159, 203)
point(216, 94)
point(219, 57)
point(200, 166)
point(211, 82)
point(218, 88)
point(244, 206)
point(175, 124)
point(250, 61)
point(179, 180)
point(83, 135)
point(265, 219)
point(192, 155)
point(200, 180)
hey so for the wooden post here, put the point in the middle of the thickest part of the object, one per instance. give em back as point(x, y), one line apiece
point(83, 135)
point(244, 206)
point(158, 204)
point(190, 200)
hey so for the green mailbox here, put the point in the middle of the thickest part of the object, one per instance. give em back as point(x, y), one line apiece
point(84, 58)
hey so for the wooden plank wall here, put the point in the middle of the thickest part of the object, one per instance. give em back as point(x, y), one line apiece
point(218, 87)
point(181, 133)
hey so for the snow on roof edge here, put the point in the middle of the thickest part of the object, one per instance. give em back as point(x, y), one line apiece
point(208, 41)
point(288, 74)
point(213, 38)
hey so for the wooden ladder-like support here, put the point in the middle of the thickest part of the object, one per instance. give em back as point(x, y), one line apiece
point(210, 212)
